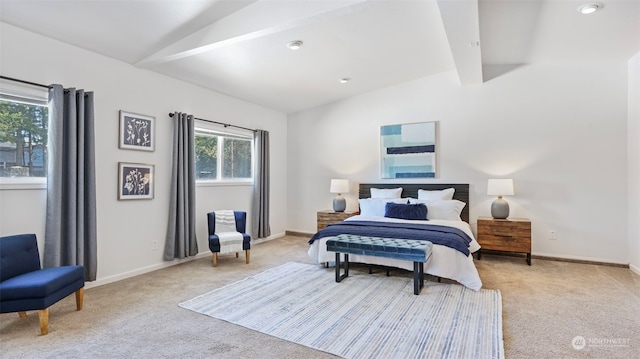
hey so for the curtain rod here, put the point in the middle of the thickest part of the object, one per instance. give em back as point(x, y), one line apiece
point(24, 82)
point(220, 123)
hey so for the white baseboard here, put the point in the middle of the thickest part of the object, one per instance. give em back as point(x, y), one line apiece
point(262, 240)
point(151, 268)
point(135, 272)
point(154, 267)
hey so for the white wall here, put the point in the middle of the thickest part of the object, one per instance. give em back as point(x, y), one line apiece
point(558, 131)
point(127, 228)
point(634, 163)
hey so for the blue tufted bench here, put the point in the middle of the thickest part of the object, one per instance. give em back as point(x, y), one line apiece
point(405, 249)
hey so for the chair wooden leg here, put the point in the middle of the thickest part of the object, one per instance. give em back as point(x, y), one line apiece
point(79, 298)
point(215, 259)
point(44, 321)
point(22, 314)
point(236, 254)
point(248, 255)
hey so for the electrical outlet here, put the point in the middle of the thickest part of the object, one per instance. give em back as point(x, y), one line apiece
point(154, 245)
point(553, 234)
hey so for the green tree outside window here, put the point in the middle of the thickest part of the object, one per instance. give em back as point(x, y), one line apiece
point(23, 139)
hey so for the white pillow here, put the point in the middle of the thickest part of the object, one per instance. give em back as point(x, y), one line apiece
point(376, 206)
point(440, 209)
point(445, 194)
point(386, 192)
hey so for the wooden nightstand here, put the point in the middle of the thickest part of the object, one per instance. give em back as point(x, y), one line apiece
point(328, 217)
point(506, 235)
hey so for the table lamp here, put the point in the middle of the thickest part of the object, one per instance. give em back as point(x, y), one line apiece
point(500, 187)
point(339, 186)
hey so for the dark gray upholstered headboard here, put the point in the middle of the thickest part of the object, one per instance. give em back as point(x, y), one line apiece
point(411, 190)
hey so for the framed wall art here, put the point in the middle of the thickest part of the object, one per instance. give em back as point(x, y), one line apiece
point(135, 181)
point(137, 132)
point(408, 150)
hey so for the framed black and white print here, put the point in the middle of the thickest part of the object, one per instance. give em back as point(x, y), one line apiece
point(135, 181)
point(137, 132)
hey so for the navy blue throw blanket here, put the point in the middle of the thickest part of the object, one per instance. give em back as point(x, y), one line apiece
point(442, 235)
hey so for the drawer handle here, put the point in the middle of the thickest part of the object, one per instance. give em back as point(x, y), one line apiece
point(503, 235)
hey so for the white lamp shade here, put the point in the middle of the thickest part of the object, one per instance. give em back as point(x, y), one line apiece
point(500, 187)
point(339, 186)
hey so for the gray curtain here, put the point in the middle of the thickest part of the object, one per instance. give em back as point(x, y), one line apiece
point(70, 232)
point(260, 207)
point(181, 232)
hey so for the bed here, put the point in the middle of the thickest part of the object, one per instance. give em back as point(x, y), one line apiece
point(445, 262)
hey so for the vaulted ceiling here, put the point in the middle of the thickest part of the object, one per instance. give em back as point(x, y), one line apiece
point(238, 47)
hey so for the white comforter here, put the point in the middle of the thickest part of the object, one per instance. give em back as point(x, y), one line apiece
point(445, 262)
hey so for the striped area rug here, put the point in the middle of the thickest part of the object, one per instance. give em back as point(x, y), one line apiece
point(364, 316)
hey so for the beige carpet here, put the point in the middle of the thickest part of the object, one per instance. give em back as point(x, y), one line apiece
point(545, 307)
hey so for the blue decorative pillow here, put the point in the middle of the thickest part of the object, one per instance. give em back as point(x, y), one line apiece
point(406, 211)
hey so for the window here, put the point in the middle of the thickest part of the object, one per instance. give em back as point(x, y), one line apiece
point(223, 157)
point(23, 137)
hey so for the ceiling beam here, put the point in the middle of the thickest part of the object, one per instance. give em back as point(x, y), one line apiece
point(261, 18)
point(462, 26)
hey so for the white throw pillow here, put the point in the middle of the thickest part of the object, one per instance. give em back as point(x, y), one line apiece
point(386, 192)
point(440, 209)
point(376, 206)
point(445, 194)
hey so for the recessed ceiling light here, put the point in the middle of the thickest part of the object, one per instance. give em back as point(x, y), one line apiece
point(590, 8)
point(344, 80)
point(294, 45)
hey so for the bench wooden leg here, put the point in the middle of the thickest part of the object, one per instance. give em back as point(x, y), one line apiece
point(247, 254)
point(22, 314)
point(418, 277)
point(237, 255)
point(215, 259)
point(340, 277)
point(79, 298)
point(44, 321)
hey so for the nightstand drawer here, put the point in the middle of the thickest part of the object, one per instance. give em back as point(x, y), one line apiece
point(505, 243)
point(505, 229)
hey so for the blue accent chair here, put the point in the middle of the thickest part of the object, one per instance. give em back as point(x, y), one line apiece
point(24, 285)
point(214, 240)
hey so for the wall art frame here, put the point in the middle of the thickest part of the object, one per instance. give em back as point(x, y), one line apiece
point(408, 150)
point(135, 181)
point(137, 132)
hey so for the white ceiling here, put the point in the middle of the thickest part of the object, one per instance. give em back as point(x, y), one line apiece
point(239, 48)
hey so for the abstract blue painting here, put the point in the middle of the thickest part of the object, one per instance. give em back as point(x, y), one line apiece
point(408, 150)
